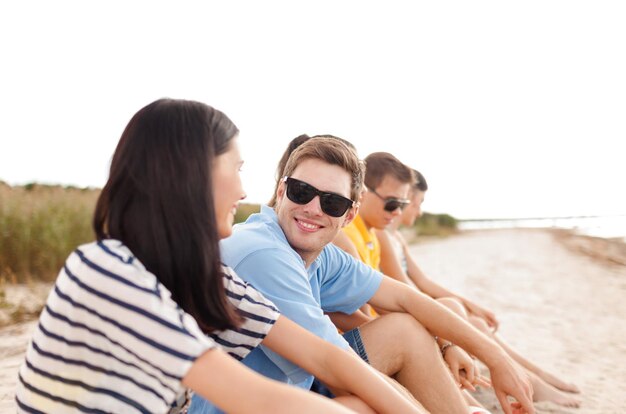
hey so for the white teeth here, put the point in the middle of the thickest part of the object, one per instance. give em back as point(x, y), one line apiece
point(307, 225)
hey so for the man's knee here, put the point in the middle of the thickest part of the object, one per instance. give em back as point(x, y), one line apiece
point(393, 339)
point(397, 328)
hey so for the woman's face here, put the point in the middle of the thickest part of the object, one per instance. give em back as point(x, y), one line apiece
point(414, 210)
point(227, 189)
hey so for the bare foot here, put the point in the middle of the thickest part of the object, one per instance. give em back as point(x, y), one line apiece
point(558, 383)
point(546, 392)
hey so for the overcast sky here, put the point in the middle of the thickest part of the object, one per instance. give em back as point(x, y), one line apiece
point(510, 109)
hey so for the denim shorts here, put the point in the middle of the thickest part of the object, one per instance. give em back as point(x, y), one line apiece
point(353, 338)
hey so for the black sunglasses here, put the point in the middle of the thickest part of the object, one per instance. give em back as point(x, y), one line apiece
point(302, 193)
point(392, 204)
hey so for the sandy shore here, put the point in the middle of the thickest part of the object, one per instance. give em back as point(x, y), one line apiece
point(558, 298)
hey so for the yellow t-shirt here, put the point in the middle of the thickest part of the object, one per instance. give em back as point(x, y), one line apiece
point(366, 242)
point(367, 245)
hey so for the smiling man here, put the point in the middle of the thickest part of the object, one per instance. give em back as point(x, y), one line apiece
point(286, 253)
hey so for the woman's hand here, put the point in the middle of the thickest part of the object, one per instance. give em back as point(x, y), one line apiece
point(464, 368)
point(485, 314)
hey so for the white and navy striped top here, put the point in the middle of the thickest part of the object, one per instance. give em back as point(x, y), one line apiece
point(111, 339)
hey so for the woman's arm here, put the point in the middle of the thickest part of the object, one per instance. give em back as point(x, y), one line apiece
point(341, 370)
point(436, 291)
point(390, 266)
point(234, 388)
point(426, 285)
point(389, 261)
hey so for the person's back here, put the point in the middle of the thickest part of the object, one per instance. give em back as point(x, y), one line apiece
point(94, 329)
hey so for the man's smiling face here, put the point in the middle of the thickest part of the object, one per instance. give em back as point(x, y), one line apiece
point(307, 228)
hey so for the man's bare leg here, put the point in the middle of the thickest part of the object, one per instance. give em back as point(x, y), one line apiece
point(397, 345)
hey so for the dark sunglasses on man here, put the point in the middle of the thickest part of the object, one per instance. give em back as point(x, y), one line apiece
point(392, 204)
point(302, 193)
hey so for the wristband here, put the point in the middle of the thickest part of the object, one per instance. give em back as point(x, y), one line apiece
point(445, 347)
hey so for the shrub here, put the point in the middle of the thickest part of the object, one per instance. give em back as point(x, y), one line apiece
point(244, 210)
point(39, 226)
point(436, 225)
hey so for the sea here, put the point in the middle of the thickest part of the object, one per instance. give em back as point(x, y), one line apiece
point(609, 227)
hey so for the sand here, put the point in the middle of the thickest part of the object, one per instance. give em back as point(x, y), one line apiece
point(558, 298)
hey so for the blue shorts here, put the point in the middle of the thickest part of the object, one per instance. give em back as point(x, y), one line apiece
point(353, 338)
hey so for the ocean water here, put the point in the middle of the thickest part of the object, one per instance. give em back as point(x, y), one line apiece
point(597, 226)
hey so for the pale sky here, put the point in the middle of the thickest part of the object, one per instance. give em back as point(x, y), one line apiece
point(510, 109)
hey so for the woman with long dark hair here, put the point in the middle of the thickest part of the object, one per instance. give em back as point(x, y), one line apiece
point(148, 311)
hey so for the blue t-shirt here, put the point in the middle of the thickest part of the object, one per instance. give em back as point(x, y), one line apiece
point(335, 282)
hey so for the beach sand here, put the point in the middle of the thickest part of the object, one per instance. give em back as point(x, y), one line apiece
point(558, 298)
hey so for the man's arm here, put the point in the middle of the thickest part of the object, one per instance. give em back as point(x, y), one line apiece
point(345, 322)
point(342, 370)
point(507, 378)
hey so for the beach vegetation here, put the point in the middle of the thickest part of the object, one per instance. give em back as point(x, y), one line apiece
point(436, 225)
point(244, 210)
point(39, 226)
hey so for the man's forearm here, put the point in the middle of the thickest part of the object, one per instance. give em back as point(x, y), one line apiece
point(440, 321)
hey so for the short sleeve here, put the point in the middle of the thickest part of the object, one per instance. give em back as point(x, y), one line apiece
point(346, 283)
point(259, 315)
point(110, 336)
point(283, 280)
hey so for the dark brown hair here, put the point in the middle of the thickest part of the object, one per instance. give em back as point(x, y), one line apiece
point(293, 144)
point(158, 201)
point(380, 164)
point(420, 181)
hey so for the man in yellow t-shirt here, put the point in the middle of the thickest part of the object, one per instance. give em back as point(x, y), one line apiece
point(365, 241)
point(388, 182)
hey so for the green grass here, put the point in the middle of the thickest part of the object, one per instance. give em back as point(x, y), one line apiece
point(244, 210)
point(436, 225)
point(39, 226)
